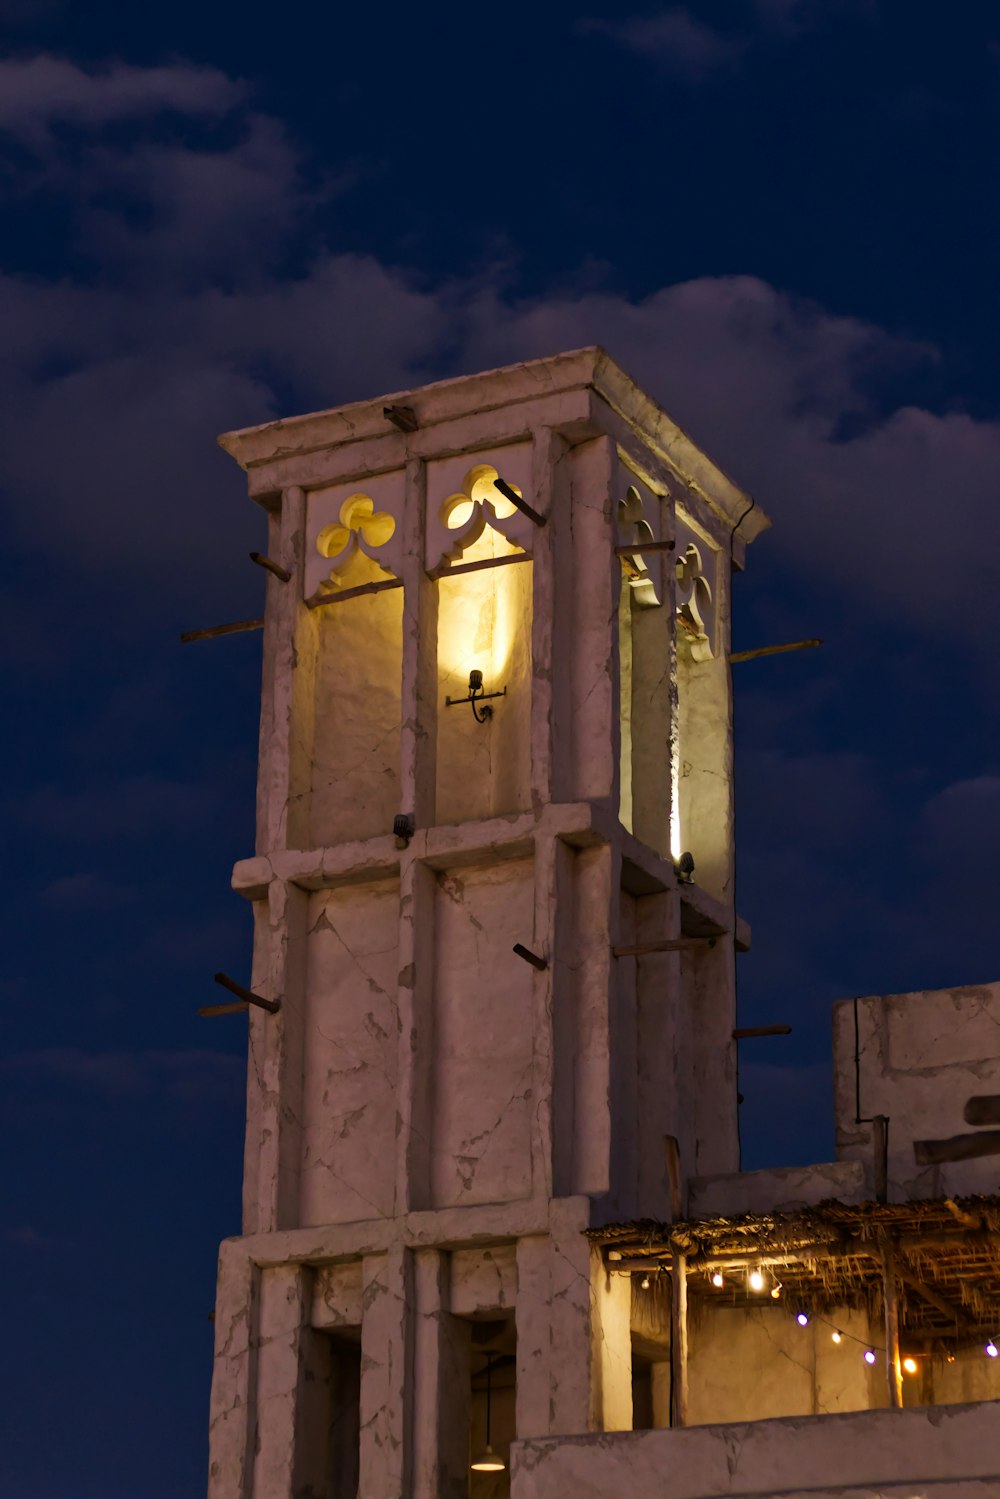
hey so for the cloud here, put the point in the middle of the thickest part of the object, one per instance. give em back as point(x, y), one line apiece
point(86, 892)
point(673, 39)
point(134, 807)
point(194, 1076)
point(181, 334)
point(680, 43)
point(39, 92)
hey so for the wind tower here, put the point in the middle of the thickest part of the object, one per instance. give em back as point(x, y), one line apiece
point(495, 733)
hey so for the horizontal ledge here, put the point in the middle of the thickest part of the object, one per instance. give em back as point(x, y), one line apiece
point(671, 944)
point(644, 546)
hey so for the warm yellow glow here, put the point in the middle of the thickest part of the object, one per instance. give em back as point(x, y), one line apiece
point(775, 1293)
point(836, 1337)
point(717, 1280)
point(479, 618)
point(487, 1462)
point(676, 846)
point(357, 513)
point(756, 1280)
point(456, 510)
point(480, 484)
point(910, 1365)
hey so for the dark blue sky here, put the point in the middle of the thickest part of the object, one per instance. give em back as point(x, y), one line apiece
point(781, 216)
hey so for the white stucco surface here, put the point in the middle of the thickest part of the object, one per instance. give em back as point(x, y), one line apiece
point(920, 1057)
point(874, 1453)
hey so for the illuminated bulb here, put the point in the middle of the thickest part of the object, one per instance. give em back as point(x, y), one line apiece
point(991, 1348)
point(802, 1319)
point(645, 1282)
point(717, 1280)
point(488, 1462)
point(775, 1293)
point(910, 1365)
point(835, 1335)
point(869, 1356)
point(756, 1281)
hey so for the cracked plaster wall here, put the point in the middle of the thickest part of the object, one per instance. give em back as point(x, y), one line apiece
point(483, 1035)
point(349, 1056)
point(917, 1454)
point(354, 771)
point(922, 1056)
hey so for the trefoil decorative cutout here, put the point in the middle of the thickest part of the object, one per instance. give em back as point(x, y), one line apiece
point(361, 528)
point(466, 502)
point(642, 566)
point(695, 610)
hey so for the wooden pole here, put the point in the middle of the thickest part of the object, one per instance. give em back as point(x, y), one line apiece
point(234, 629)
point(318, 600)
point(678, 1340)
point(773, 650)
point(890, 1301)
point(247, 995)
point(262, 560)
point(516, 500)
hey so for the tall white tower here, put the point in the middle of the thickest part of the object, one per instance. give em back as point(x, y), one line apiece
point(496, 716)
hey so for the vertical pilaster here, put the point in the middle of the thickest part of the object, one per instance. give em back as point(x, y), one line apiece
point(386, 1375)
point(596, 901)
point(276, 1043)
point(574, 1394)
point(232, 1420)
point(419, 686)
point(534, 1337)
point(442, 1384)
point(546, 449)
point(596, 739)
point(283, 1323)
point(414, 1113)
point(546, 937)
point(281, 799)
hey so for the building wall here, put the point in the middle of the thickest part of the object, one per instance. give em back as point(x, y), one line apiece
point(933, 1454)
point(920, 1057)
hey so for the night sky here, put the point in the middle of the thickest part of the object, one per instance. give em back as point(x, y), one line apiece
point(780, 216)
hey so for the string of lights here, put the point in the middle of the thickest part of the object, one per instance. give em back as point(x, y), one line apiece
point(757, 1281)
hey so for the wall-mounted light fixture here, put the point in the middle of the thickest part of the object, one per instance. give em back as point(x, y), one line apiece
point(476, 696)
point(488, 1461)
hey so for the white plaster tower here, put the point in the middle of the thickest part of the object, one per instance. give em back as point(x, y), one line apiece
point(506, 1005)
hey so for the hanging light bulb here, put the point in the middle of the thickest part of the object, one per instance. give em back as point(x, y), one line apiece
point(836, 1336)
point(645, 1282)
point(991, 1349)
point(910, 1365)
point(756, 1280)
point(802, 1319)
point(869, 1355)
point(776, 1293)
point(488, 1461)
point(717, 1280)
